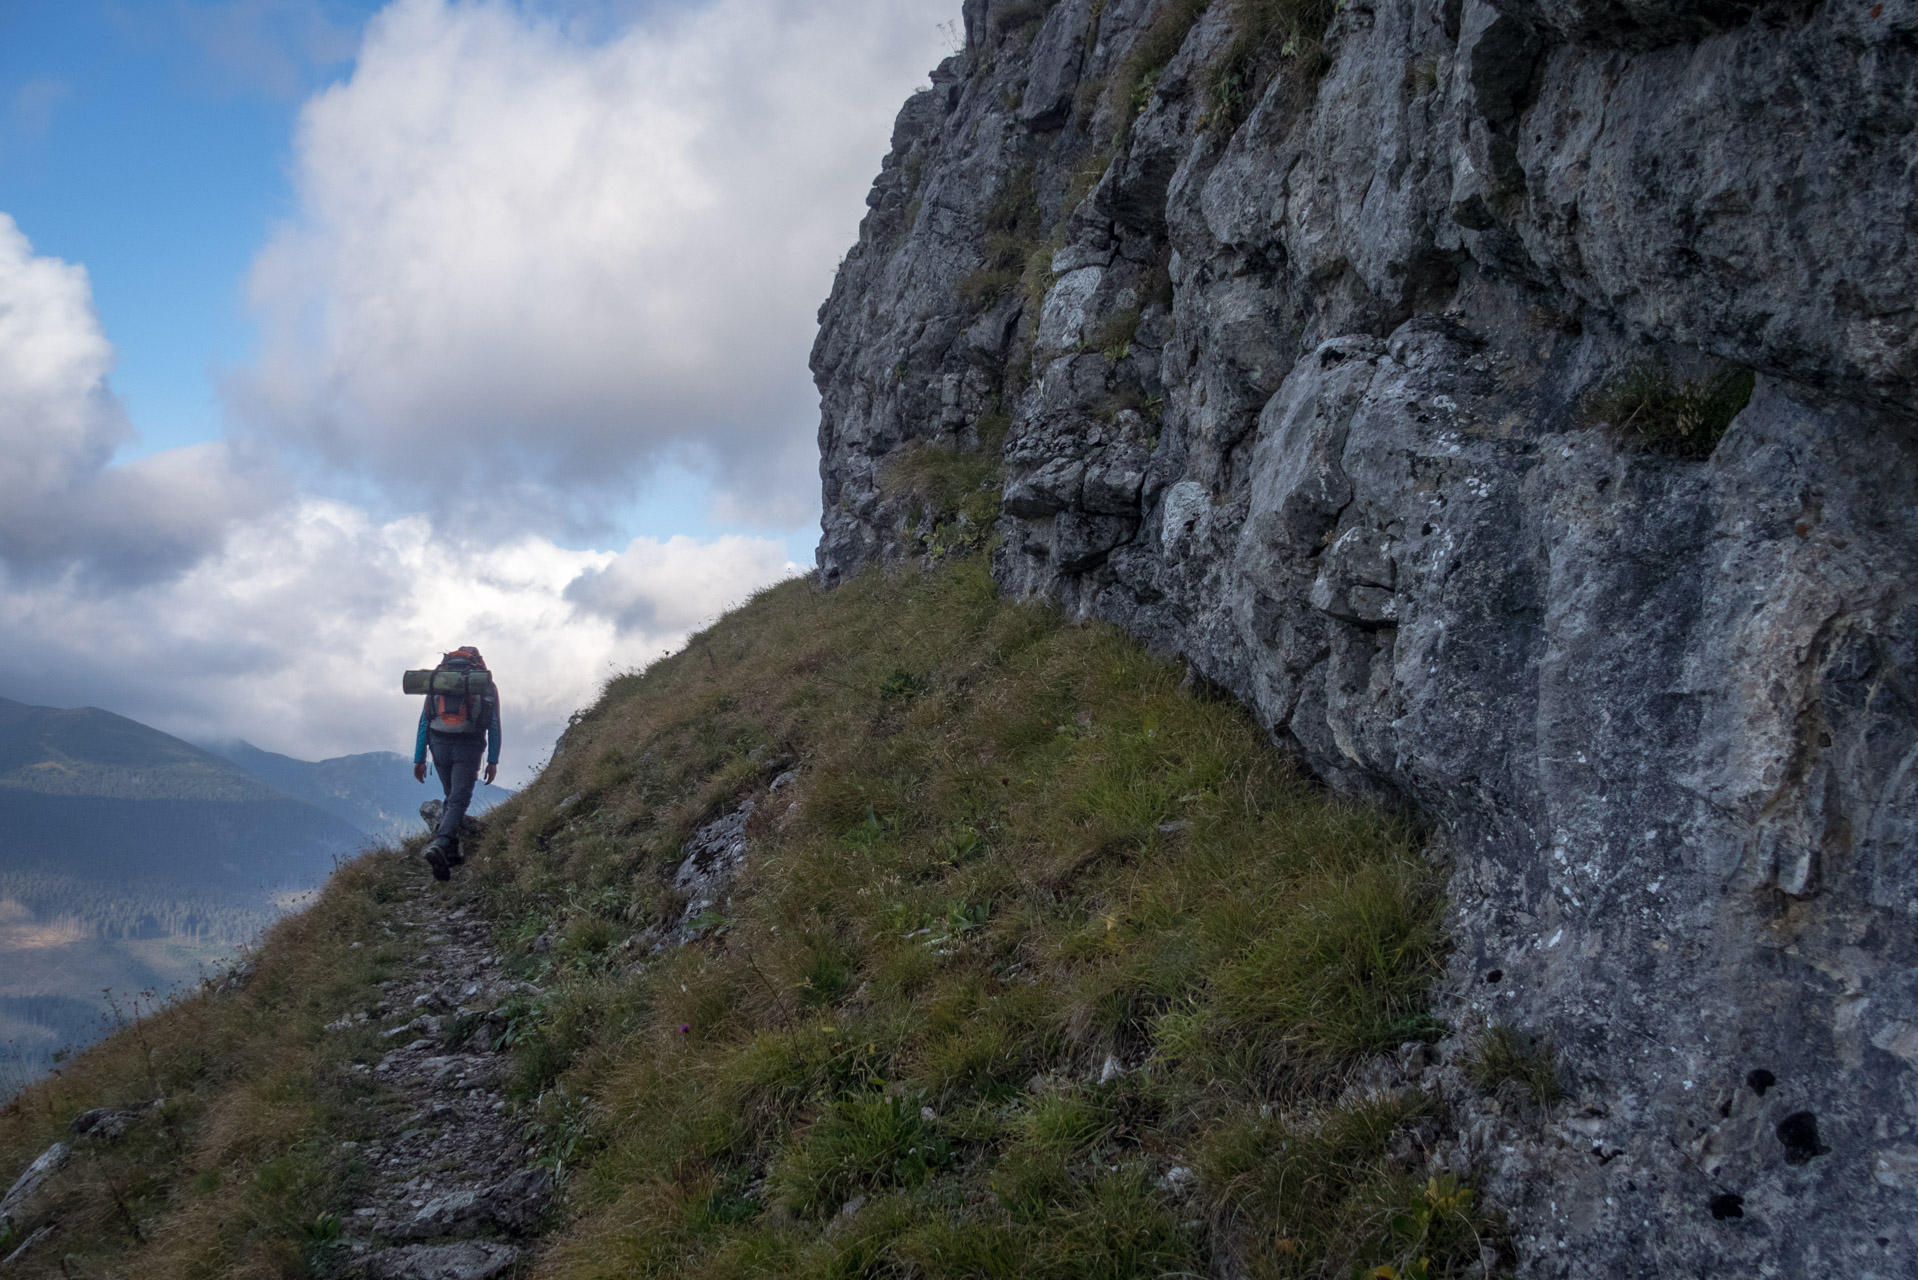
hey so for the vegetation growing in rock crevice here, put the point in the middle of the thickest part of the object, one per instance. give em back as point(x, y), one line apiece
point(1649, 407)
point(1504, 1055)
point(1138, 76)
point(1013, 227)
point(1269, 36)
point(952, 495)
point(1035, 934)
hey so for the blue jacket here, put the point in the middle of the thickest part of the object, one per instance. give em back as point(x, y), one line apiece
point(492, 734)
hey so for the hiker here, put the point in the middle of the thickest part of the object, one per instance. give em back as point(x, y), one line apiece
point(453, 726)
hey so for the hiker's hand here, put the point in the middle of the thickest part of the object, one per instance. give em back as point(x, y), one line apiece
point(419, 771)
point(492, 770)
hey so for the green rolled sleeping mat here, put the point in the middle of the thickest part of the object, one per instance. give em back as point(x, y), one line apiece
point(469, 682)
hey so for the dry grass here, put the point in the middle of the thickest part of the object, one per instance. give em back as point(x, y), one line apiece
point(235, 1172)
point(1017, 849)
point(1503, 1056)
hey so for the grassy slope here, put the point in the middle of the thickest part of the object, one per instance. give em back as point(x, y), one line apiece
point(236, 1172)
point(1016, 849)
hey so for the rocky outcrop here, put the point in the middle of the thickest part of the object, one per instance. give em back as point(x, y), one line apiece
point(1300, 366)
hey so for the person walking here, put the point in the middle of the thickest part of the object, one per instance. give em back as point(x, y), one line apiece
point(457, 728)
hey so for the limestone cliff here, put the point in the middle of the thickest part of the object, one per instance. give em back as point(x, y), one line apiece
point(1300, 333)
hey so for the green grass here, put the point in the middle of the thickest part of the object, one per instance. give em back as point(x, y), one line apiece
point(1649, 407)
point(1112, 337)
point(1017, 850)
point(953, 494)
point(1270, 37)
point(1503, 1055)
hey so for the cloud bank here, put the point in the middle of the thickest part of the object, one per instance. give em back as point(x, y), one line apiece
point(534, 256)
point(531, 265)
point(202, 594)
point(64, 508)
point(295, 634)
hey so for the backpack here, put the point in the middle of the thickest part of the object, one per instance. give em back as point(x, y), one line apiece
point(468, 707)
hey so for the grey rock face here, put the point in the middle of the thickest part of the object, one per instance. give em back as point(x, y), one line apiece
point(713, 859)
point(1310, 395)
point(513, 1205)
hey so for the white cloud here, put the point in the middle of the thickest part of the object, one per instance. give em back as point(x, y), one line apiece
point(62, 503)
point(531, 263)
point(528, 263)
point(294, 636)
point(656, 586)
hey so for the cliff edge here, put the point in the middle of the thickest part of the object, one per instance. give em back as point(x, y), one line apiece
point(1511, 403)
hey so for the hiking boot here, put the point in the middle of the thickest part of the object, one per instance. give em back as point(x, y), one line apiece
point(454, 857)
point(436, 859)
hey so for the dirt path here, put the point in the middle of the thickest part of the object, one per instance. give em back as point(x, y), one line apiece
point(449, 1193)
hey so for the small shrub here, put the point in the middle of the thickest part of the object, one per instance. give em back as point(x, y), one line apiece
point(1504, 1053)
point(1679, 419)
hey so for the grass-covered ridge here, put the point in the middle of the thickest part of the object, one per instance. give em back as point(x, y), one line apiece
point(1045, 966)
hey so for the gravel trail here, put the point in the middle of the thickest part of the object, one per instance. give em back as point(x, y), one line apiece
point(451, 1193)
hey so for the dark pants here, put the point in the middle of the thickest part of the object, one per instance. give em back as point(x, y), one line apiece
point(456, 757)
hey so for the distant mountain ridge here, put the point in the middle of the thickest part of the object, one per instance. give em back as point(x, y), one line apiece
point(98, 797)
point(130, 860)
point(374, 790)
point(87, 752)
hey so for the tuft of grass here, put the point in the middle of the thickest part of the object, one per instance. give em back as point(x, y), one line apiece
point(1035, 924)
point(1085, 176)
point(1325, 1196)
point(859, 1144)
point(1113, 336)
point(1138, 77)
point(1018, 15)
point(1502, 1055)
point(1270, 37)
point(1650, 407)
point(953, 493)
point(1013, 225)
point(980, 290)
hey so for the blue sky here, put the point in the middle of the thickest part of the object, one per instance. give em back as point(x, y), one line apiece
point(149, 141)
point(333, 333)
point(135, 143)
